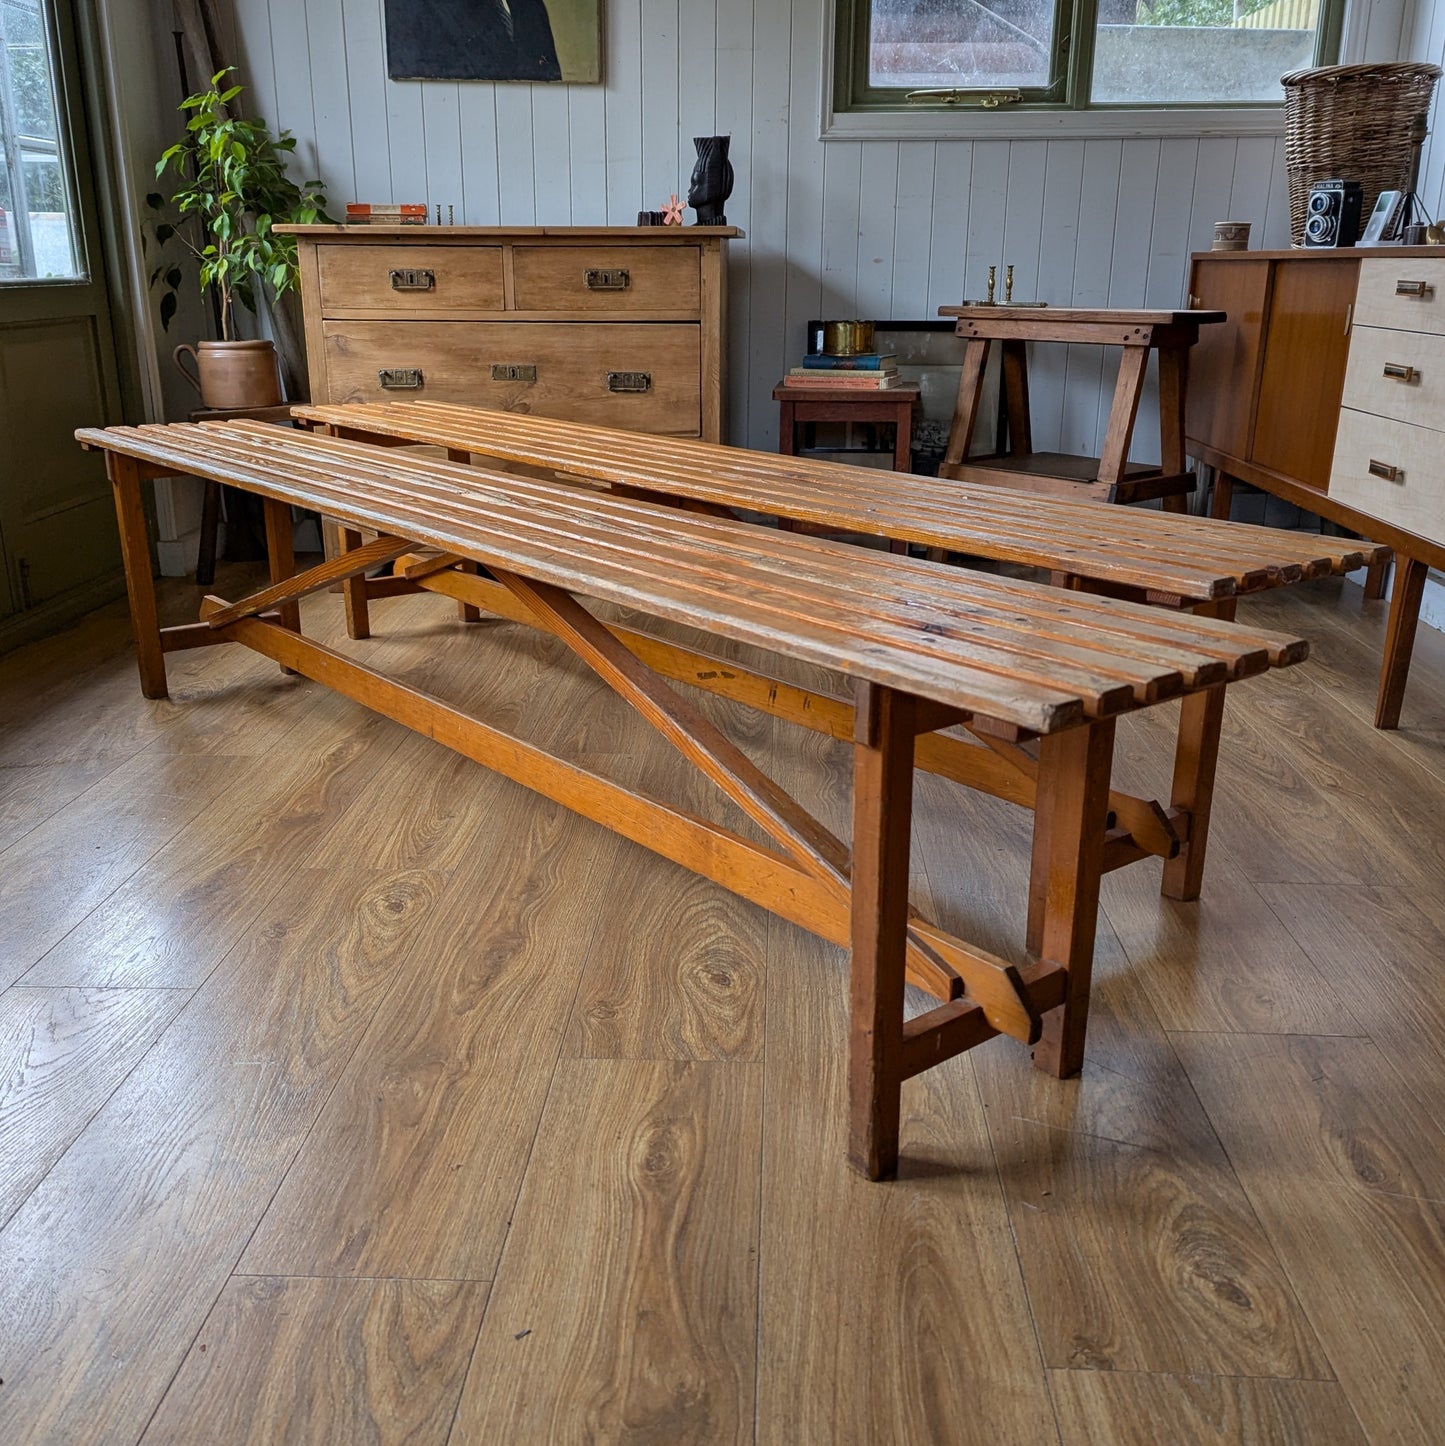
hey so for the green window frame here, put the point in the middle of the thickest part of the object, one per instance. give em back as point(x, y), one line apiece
point(1071, 71)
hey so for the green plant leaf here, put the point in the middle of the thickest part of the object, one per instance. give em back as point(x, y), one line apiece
point(232, 188)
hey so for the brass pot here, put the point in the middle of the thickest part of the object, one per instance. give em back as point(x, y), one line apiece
point(232, 374)
point(847, 338)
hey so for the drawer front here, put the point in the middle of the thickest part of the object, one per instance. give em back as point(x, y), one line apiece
point(409, 279)
point(608, 279)
point(1397, 374)
point(646, 378)
point(1408, 295)
point(1412, 493)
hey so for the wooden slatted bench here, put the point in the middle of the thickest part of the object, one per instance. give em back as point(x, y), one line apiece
point(1011, 661)
point(1172, 561)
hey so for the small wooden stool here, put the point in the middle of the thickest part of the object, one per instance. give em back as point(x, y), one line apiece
point(1110, 477)
point(893, 406)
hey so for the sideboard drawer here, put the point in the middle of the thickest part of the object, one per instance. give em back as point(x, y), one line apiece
point(1406, 294)
point(1411, 494)
point(644, 377)
point(1397, 374)
point(665, 280)
point(409, 279)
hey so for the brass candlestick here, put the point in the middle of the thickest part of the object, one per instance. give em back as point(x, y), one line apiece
point(992, 282)
point(1008, 285)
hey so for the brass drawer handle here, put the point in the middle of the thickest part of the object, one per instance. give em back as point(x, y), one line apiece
point(617, 278)
point(1385, 470)
point(514, 372)
point(1399, 372)
point(400, 379)
point(406, 278)
point(629, 381)
point(1422, 289)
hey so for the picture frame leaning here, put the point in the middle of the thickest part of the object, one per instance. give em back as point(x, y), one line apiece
point(496, 40)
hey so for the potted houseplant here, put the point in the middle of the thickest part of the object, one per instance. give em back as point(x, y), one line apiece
point(232, 191)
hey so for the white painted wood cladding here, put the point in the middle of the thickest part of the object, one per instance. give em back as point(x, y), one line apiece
point(836, 228)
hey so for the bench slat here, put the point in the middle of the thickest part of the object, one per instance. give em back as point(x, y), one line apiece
point(1197, 558)
point(1033, 629)
point(772, 564)
point(960, 643)
point(1133, 632)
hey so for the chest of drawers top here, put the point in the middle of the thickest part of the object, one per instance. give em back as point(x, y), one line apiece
point(466, 273)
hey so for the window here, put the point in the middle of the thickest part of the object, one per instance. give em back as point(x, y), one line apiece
point(1061, 55)
point(37, 240)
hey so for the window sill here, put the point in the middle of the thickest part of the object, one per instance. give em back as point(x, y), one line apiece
point(1013, 125)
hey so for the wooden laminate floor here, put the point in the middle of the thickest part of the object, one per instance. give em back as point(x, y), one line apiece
point(349, 1093)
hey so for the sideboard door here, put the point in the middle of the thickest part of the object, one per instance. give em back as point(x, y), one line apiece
point(1224, 366)
point(1306, 347)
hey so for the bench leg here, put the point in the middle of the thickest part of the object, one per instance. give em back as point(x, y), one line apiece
point(468, 612)
point(210, 525)
point(1068, 856)
point(282, 560)
point(1200, 718)
point(140, 585)
point(882, 809)
point(1405, 598)
point(465, 611)
point(1222, 496)
point(282, 557)
point(353, 591)
point(1377, 574)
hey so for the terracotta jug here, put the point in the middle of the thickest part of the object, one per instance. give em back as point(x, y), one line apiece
point(232, 374)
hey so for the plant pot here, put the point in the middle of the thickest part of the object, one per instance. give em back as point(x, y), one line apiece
point(232, 374)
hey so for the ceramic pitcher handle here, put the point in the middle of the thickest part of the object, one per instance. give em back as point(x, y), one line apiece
point(193, 377)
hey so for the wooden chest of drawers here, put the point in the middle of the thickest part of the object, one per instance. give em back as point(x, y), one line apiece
point(620, 326)
point(1390, 450)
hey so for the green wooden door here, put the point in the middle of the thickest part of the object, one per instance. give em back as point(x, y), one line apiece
point(58, 367)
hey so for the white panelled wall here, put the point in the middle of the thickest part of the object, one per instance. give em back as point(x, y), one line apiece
point(842, 228)
point(836, 228)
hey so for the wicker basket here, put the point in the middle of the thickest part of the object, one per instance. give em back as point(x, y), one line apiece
point(1353, 122)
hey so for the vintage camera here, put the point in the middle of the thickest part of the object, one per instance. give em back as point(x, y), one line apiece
point(1334, 210)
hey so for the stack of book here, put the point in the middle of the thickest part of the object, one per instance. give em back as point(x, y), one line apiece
point(364, 213)
point(873, 371)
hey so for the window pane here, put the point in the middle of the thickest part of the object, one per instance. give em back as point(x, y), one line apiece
point(1173, 52)
point(926, 44)
point(37, 237)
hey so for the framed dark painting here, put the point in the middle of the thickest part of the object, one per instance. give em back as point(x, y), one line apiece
point(543, 40)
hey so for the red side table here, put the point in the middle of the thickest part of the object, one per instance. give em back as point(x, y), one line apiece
point(893, 406)
point(833, 404)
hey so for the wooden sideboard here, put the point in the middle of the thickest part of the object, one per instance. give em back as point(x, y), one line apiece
point(621, 326)
point(1268, 391)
